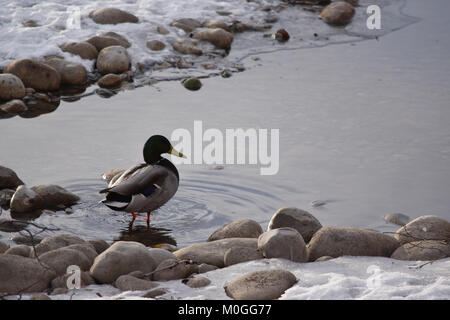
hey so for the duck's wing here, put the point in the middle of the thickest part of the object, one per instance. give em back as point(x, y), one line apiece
point(143, 179)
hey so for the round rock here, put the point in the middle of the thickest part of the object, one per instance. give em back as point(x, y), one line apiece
point(9, 179)
point(243, 228)
point(155, 45)
point(338, 13)
point(20, 250)
point(36, 75)
point(83, 49)
point(304, 222)
point(397, 218)
point(217, 36)
point(122, 258)
point(424, 228)
point(286, 243)
point(197, 282)
point(423, 250)
point(25, 200)
point(340, 241)
point(72, 73)
point(112, 16)
point(59, 259)
point(110, 80)
point(55, 197)
point(11, 87)
point(101, 42)
point(114, 59)
point(261, 285)
point(130, 283)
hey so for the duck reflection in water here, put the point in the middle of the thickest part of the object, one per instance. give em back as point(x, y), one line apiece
point(149, 236)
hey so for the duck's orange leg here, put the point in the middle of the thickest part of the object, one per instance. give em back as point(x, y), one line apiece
point(148, 218)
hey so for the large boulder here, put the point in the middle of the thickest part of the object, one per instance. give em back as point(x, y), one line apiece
point(122, 258)
point(243, 228)
point(83, 49)
point(11, 87)
point(9, 179)
point(112, 16)
point(213, 252)
point(58, 260)
point(55, 197)
point(286, 243)
point(25, 200)
point(72, 73)
point(21, 275)
point(113, 59)
point(340, 241)
point(302, 221)
point(423, 250)
point(261, 285)
point(338, 13)
point(424, 228)
point(217, 36)
point(36, 75)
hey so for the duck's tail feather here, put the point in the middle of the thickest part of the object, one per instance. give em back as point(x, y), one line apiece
point(116, 201)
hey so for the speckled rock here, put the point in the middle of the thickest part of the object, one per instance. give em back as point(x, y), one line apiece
point(11, 87)
point(83, 49)
point(36, 75)
point(243, 228)
point(113, 59)
point(112, 16)
point(340, 241)
point(304, 222)
point(424, 228)
point(286, 243)
point(260, 285)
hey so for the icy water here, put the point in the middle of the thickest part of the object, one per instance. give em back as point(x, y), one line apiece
point(363, 127)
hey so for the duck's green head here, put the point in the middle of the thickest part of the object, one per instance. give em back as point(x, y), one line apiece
point(157, 145)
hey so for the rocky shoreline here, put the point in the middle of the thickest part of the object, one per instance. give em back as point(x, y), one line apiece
point(45, 266)
point(31, 87)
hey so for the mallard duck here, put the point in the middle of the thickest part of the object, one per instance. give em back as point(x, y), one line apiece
point(146, 186)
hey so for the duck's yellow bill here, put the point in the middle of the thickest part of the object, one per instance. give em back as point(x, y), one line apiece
point(176, 153)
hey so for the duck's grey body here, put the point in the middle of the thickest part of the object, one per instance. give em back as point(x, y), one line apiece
point(143, 188)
